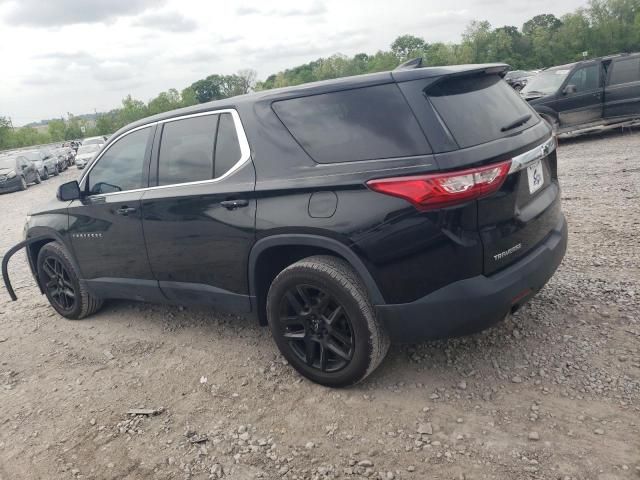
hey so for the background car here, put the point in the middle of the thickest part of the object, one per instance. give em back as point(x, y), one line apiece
point(16, 172)
point(86, 154)
point(101, 140)
point(517, 79)
point(50, 163)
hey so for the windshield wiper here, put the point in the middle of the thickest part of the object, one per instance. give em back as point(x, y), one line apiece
point(516, 123)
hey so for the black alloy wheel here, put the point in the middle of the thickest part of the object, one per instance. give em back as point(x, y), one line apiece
point(317, 328)
point(58, 284)
point(323, 322)
point(59, 279)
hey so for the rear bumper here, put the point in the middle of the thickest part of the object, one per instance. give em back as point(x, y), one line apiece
point(475, 303)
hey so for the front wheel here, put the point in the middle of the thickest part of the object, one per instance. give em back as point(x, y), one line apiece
point(56, 171)
point(23, 183)
point(323, 323)
point(38, 179)
point(66, 293)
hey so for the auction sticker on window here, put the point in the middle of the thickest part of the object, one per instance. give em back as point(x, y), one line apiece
point(536, 177)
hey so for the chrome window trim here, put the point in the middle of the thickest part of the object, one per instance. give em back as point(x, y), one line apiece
point(245, 152)
point(525, 159)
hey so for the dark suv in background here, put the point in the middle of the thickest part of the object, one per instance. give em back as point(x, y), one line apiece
point(346, 214)
point(587, 94)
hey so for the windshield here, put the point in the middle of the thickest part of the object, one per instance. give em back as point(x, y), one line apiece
point(7, 162)
point(546, 82)
point(88, 149)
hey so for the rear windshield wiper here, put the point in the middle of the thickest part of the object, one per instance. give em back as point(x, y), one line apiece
point(516, 123)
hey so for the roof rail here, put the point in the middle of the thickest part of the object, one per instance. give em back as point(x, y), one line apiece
point(408, 65)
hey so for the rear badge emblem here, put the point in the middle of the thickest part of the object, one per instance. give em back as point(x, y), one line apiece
point(506, 253)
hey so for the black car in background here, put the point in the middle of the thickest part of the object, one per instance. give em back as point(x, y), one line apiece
point(345, 214)
point(517, 79)
point(16, 172)
point(587, 94)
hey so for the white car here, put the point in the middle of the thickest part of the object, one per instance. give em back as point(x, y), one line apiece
point(86, 153)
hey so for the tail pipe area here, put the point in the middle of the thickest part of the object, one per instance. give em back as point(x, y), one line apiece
point(7, 256)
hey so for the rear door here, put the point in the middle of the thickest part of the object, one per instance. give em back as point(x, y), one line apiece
point(581, 98)
point(622, 93)
point(199, 219)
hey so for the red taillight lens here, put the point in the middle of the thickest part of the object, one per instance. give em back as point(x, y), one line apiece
point(428, 192)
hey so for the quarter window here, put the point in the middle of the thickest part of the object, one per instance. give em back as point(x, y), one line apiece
point(360, 124)
point(227, 147)
point(121, 167)
point(586, 78)
point(625, 71)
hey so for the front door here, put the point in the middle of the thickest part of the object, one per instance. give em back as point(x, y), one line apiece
point(581, 99)
point(105, 226)
point(199, 220)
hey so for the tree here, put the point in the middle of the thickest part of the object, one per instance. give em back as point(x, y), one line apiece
point(56, 129)
point(406, 45)
point(6, 129)
point(246, 80)
point(546, 21)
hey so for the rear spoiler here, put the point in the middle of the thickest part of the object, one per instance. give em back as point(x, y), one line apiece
point(452, 71)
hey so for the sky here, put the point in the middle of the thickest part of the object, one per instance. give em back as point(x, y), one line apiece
point(81, 56)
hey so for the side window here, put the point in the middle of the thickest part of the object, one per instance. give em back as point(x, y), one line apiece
point(625, 71)
point(121, 166)
point(227, 145)
point(186, 150)
point(352, 125)
point(586, 79)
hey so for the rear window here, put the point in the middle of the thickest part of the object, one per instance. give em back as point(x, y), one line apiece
point(354, 125)
point(625, 71)
point(476, 108)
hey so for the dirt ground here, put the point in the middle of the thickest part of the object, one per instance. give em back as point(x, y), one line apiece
point(552, 393)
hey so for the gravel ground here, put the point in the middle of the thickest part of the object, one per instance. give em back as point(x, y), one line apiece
point(552, 393)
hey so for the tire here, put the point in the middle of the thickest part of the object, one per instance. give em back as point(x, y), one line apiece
point(334, 315)
point(56, 172)
point(38, 179)
point(56, 273)
point(23, 183)
point(46, 173)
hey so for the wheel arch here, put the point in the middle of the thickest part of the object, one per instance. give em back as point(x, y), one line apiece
point(43, 236)
point(270, 255)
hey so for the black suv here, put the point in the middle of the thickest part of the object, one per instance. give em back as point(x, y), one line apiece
point(345, 214)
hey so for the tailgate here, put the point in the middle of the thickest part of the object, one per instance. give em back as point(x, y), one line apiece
point(514, 220)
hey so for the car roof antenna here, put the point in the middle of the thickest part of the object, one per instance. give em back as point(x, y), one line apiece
point(408, 65)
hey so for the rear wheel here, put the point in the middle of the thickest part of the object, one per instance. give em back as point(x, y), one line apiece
point(323, 322)
point(46, 173)
point(66, 293)
point(55, 171)
point(38, 179)
point(23, 183)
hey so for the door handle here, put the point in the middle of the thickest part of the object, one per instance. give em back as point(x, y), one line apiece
point(125, 210)
point(233, 204)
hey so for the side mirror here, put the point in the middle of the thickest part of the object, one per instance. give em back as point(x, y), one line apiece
point(69, 191)
point(569, 89)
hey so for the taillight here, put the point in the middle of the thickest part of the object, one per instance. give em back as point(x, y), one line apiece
point(438, 190)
